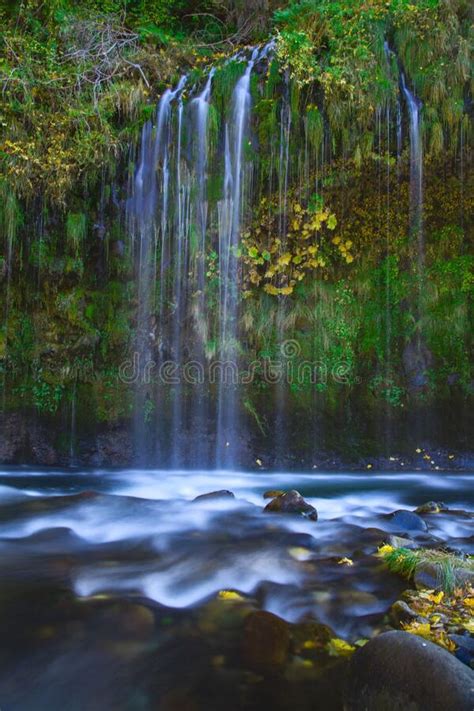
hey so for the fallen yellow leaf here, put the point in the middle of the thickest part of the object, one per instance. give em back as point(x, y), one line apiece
point(345, 561)
point(384, 550)
point(229, 595)
point(432, 597)
point(339, 648)
point(422, 629)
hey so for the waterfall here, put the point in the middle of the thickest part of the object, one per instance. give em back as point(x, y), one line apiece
point(72, 434)
point(175, 230)
point(187, 248)
point(399, 131)
point(202, 116)
point(230, 214)
point(416, 172)
point(180, 267)
point(146, 229)
point(199, 412)
point(281, 395)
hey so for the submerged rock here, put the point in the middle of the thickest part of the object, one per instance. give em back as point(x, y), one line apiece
point(293, 503)
point(266, 641)
point(221, 494)
point(407, 521)
point(398, 671)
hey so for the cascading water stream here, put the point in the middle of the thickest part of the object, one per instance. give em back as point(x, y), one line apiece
point(201, 106)
point(169, 205)
point(230, 214)
point(180, 266)
point(280, 426)
point(145, 229)
point(72, 436)
point(416, 172)
point(199, 410)
point(177, 227)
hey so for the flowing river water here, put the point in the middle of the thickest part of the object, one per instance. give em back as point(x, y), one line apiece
point(110, 580)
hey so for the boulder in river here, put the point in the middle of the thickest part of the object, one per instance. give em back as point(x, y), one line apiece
point(293, 503)
point(431, 507)
point(406, 521)
point(398, 671)
point(272, 493)
point(401, 542)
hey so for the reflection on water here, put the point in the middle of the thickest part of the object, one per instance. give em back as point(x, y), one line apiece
point(93, 562)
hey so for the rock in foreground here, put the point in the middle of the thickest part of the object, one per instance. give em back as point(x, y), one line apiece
point(293, 503)
point(266, 640)
point(398, 671)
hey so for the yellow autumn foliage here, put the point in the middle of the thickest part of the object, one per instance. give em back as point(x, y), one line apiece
point(276, 261)
point(339, 648)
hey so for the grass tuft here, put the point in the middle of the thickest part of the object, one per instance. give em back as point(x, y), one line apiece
point(448, 566)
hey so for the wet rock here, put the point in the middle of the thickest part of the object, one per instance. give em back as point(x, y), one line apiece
point(417, 359)
point(266, 641)
point(407, 521)
point(308, 637)
point(224, 615)
point(465, 648)
point(401, 612)
point(401, 542)
point(11, 438)
point(362, 540)
point(429, 576)
point(272, 493)
point(464, 577)
point(293, 503)
point(360, 602)
point(178, 700)
point(431, 507)
point(124, 620)
point(301, 670)
point(221, 494)
point(398, 671)
point(41, 450)
point(113, 448)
